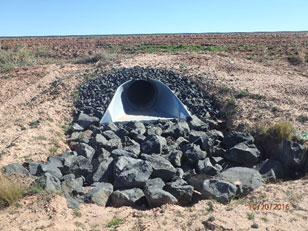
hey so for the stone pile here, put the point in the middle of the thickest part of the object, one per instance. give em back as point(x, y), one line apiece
point(158, 162)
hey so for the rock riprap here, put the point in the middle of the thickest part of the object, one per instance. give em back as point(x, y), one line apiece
point(157, 162)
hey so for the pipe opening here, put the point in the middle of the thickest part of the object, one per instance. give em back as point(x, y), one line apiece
point(141, 94)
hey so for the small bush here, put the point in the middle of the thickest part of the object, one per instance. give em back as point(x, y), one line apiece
point(114, 222)
point(10, 191)
point(267, 138)
point(280, 131)
point(103, 57)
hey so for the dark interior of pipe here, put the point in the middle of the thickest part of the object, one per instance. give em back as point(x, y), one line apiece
point(141, 94)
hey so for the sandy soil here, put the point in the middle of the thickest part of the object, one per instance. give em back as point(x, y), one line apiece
point(46, 93)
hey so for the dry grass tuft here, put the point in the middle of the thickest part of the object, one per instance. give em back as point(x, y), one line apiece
point(103, 58)
point(11, 190)
point(267, 138)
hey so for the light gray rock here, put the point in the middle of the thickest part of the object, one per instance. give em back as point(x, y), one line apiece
point(100, 194)
point(246, 179)
point(71, 184)
point(49, 183)
point(222, 191)
point(85, 120)
point(15, 169)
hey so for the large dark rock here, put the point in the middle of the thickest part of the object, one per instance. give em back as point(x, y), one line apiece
point(271, 170)
point(117, 153)
point(192, 153)
point(196, 124)
point(206, 167)
point(175, 157)
point(34, 169)
point(109, 134)
point(243, 153)
point(220, 190)
point(157, 197)
point(126, 197)
point(162, 168)
point(154, 183)
point(246, 179)
point(79, 165)
point(103, 173)
point(153, 144)
point(233, 138)
point(180, 190)
point(133, 175)
point(86, 151)
point(100, 194)
point(292, 156)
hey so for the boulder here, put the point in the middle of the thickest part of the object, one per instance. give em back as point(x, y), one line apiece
point(243, 153)
point(71, 184)
point(51, 168)
point(233, 138)
point(153, 144)
point(154, 183)
point(271, 170)
point(103, 173)
point(86, 151)
point(246, 179)
point(196, 124)
point(292, 156)
point(192, 153)
point(85, 120)
point(162, 168)
point(219, 190)
point(134, 175)
point(180, 190)
point(206, 167)
point(157, 197)
point(15, 169)
point(49, 183)
point(79, 165)
point(175, 157)
point(126, 197)
point(99, 194)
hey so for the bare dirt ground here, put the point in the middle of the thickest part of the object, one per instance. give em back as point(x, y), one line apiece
point(36, 103)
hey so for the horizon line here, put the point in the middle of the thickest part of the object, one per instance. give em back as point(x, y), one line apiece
point(142, 34)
